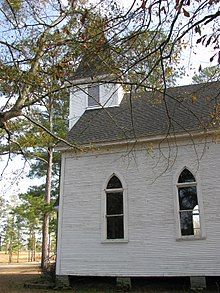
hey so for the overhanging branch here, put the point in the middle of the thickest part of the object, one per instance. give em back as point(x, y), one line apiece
point(51, 133)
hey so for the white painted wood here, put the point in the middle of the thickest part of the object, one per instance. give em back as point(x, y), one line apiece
point(152, 248)
point(60, 217)
point(78, 104)
point(110, 96)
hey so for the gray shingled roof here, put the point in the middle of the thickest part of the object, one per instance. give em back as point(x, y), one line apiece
point(185, 108)
point(90, 67)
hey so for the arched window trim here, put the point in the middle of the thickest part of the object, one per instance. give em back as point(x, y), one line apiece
point(120, 177)
point(200, 205)
point(114, 189)
point(186, 183)
point(103, 209)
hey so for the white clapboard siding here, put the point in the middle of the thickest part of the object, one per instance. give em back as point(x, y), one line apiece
point(153, 247)
point(77, 105)
point(111, 94)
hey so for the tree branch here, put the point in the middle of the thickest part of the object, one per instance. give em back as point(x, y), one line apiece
point(51, 133)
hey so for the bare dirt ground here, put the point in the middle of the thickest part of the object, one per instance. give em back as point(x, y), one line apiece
point(13, 278)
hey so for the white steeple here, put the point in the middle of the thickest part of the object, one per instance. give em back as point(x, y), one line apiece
point(92, 96)
point(93, 88)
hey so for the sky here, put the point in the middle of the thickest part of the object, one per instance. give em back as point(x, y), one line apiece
point(192, 59)
point(14, 179)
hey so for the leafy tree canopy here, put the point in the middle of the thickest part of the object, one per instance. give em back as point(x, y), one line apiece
point(207, 74)
point(41, 43)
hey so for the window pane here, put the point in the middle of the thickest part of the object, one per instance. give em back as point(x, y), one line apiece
point(115, 227)
point(196, 221)
point(114, 202)
point(186, 176)
point(186, 223)
point(187, 198)
point(114, 182)
point(93, 95)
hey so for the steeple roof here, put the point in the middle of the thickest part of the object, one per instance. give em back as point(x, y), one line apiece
point(96, 61)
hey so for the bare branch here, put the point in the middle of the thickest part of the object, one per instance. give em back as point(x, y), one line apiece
point(51, 133)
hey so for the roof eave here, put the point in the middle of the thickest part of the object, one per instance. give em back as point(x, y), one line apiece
point(99, 78)
point(152, 139)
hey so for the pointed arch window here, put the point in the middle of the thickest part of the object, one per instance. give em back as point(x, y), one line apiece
point(189, 213)
point(114, 209)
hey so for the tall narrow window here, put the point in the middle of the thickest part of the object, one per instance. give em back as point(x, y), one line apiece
point(93, 95)
point(189, 214)
point(114, 209)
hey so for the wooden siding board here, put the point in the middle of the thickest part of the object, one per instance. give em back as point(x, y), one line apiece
point(152, 249)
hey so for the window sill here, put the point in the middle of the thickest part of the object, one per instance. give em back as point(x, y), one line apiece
point(114, 241)
point(190, 238)
point(94, 107)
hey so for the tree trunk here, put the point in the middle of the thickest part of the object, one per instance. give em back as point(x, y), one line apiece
point(10, 252)
point(18, 254)
point(46, 219)
point(34, 246)
point(45, 236)
point(29, 255)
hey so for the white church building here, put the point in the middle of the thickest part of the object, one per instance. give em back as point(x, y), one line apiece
point(140, 195)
